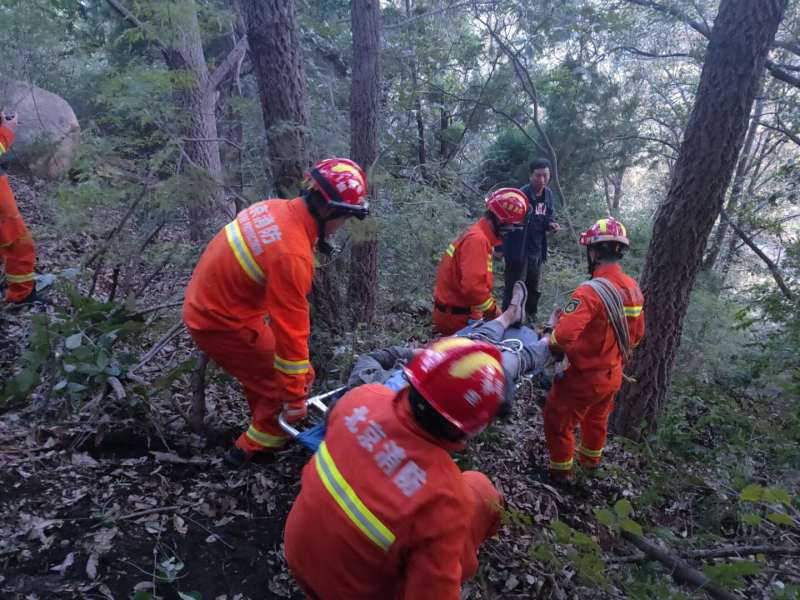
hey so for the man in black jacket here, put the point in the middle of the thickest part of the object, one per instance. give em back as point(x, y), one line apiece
point(525, 251)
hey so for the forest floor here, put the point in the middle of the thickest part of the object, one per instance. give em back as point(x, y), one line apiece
point(132, 504)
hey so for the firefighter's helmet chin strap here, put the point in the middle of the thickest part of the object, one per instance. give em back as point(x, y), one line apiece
point(323, 245)
point(591, 263)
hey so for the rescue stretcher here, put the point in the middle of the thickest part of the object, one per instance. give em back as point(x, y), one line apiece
point(312, 437)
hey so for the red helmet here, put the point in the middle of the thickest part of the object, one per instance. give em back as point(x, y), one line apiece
point(509, 205)
point(342, 183)
point(605, 230)
point(462, 379)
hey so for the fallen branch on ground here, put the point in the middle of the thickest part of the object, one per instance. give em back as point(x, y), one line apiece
point(679, 570)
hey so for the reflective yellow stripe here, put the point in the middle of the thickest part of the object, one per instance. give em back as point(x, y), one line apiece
point(603, 223)
point(590, 453)
point(553, 340)
point(561, 466)
point(489, 266)
point(632, 311)
point(349, 502)
point(451, 250)
point(20, 278)
point(2, 148)
point(291, 367)
point(265, 439)
point(242, 252)
point(484, 306)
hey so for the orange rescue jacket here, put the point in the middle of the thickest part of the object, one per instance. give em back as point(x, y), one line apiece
point(383, 511)
point(464, 278)
point(583, 331)
point(261, 265)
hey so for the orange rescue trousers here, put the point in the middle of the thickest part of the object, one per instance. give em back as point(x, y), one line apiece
point(577, 399)
point(17, 252)
point(248, 354)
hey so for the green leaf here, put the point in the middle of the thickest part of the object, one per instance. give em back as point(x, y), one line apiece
point(623, 508)
point(60, 385)
point(605, 516)
point(543, 552)
point(777, 495)
point(141, 595)
point(581, 539)
point(562, 531)
point(751, 519)
point(751, 493)
point(73, 341)
point(631, 526)
point(731, 573)
point(190, 596)
point(780, 518)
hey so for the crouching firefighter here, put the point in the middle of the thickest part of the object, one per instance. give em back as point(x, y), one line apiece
point(384, 511)
point(464, 279)
point(246, 305)
point(597, 329)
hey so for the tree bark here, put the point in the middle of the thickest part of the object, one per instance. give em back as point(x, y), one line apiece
point(277, 56)
point(742, 168)
point(740, 40)
point(364, 116)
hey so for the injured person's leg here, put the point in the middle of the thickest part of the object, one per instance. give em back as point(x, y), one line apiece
point(524, 353)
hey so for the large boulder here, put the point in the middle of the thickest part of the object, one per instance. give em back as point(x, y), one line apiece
point(48, 132)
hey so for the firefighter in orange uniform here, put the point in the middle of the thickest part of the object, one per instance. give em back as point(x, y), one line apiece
point(260, 266)
point(464, 279)
point(585, 394)
point(384, 511)
point(16, 245)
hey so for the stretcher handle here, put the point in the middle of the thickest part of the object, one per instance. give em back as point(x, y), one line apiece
point(316, 402)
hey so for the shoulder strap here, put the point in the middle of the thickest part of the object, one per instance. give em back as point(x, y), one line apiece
point(612, 300)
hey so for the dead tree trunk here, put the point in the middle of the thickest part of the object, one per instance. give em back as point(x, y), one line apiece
point(737, 52)
point(364, 113)
point(277, 56)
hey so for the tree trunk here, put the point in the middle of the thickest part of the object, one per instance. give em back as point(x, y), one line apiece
point(737, 188)
point(196, 102)
point(364, 113)
point(277, 56)
point(737, 51)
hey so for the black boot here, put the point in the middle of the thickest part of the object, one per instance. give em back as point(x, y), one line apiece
point(532, 305)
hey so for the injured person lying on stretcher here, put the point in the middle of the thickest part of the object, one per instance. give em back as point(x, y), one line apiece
point(524, 354)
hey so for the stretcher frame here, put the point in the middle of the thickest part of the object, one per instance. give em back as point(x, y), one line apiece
point(315, 402)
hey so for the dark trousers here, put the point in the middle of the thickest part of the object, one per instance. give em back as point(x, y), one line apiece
point(529, 271)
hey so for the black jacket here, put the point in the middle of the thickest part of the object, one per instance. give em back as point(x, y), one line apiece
point(531, 242)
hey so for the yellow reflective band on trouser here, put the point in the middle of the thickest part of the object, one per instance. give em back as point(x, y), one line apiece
point(590, 453)
point(561, 466)
point(632, 311)
point(20, 278)
point(489, 266)
point(451, 250)
point(2, 148)
point(349, 502)
point(484, 306)
point(242, 252)
point(265, 439)
point(291, 367)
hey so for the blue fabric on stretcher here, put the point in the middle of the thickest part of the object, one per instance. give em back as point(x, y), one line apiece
point(311, 438)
